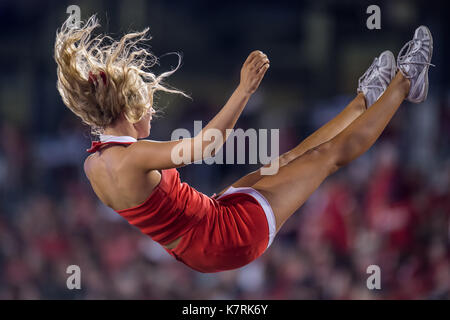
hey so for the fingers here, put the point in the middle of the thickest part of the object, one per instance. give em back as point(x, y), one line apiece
point(259, 75)
point(254, 70)
point(258, 62)
point(261, 62)
point(250, 57)
point(263, 69)
point(254, 57)
point(261, 72)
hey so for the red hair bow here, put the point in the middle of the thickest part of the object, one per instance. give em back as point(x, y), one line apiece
point(93, 78)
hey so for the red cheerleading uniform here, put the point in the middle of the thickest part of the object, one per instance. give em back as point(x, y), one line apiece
point(218, 234)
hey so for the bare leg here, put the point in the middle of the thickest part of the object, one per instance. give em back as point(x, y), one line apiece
point(296, 181)
point(328, 131)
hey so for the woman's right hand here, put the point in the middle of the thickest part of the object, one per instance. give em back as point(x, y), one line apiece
point(253, 71)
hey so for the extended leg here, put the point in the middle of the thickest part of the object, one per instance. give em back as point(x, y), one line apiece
point(295, 182)
point(329, 130)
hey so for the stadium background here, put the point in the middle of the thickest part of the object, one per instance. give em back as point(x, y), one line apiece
point(390, 207)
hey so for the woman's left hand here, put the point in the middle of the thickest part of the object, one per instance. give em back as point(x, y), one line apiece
point(253, 71)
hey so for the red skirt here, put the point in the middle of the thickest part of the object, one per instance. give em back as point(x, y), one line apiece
point(231, 237)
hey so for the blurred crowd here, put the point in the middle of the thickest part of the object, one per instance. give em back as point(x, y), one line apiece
point(389, 208)
point(384, 209)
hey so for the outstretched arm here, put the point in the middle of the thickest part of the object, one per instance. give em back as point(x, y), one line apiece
point(252, 73)
point(162, 155)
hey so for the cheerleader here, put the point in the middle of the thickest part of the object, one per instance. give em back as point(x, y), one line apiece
point(110, 88)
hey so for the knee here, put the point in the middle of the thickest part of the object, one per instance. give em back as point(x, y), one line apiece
point(284, 159)
point(326, 154)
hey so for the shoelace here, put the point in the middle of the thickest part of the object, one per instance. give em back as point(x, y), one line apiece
point(401, 59)
point(366, 76)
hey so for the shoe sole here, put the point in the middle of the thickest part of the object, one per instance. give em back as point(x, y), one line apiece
point(427, 67)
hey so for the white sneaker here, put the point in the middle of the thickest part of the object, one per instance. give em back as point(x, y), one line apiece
point(377, 78)
point(416, 61)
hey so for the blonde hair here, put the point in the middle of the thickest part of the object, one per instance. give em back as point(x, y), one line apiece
point(99, 78)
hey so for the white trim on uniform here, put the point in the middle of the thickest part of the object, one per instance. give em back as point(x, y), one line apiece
point(110, 138)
